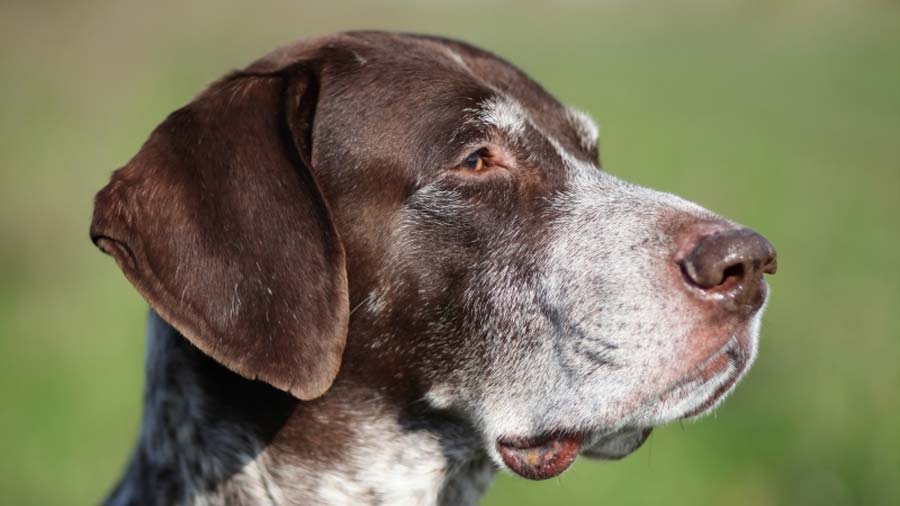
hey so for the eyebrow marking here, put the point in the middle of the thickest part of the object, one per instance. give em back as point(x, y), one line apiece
point(503, 113)
point(585, 126)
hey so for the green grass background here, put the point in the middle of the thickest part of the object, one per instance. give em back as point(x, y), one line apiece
point(784, 115)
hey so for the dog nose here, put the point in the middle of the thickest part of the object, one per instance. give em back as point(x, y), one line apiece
point(731, 262)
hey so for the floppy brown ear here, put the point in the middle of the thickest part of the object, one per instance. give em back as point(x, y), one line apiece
point(220, 225)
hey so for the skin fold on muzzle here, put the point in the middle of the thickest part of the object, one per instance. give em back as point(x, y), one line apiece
point(382, 266)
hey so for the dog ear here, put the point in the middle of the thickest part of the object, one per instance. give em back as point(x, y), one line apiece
point(219, 223)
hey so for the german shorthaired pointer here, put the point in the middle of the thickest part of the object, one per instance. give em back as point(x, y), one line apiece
point(382, 266)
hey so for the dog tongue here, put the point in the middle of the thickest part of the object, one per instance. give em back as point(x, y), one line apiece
point(539, 459)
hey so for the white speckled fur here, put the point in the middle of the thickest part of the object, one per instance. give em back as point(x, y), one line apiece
point(392, 465)
point(585, 344)
point(602, 218)
point(226, 466)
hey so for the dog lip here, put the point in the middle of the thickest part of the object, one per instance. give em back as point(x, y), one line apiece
point(731, 354)
point(716, 395)
point(541, 457)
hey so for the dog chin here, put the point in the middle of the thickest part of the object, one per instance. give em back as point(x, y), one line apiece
point(549, 455)
point(694, 395)
point(690, 399)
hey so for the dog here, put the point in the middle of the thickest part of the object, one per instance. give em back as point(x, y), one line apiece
point(383, 266)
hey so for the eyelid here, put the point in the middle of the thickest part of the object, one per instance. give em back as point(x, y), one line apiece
point(494, 157)
point(475, 149)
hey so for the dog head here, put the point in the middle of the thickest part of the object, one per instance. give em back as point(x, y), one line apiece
point(432, 202)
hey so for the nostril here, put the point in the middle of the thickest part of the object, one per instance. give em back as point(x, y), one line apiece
point(713, 275)
point(732, 274)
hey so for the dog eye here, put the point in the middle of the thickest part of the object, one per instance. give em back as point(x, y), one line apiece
point(475, 161)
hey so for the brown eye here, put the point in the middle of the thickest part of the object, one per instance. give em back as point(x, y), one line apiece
point(475, 161)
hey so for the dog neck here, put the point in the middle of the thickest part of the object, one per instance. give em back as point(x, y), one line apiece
point(210, 437)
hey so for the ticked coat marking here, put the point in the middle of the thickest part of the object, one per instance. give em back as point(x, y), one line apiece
point(383, 266)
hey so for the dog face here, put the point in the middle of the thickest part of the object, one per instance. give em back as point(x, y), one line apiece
point(439, 207)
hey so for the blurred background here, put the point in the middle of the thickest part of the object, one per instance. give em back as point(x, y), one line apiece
point(783, 115)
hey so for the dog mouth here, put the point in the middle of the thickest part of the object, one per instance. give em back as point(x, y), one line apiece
point(543, 457)
point(548, 455)
point(539, 458)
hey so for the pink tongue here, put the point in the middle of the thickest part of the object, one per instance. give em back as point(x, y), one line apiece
point(542, 459)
